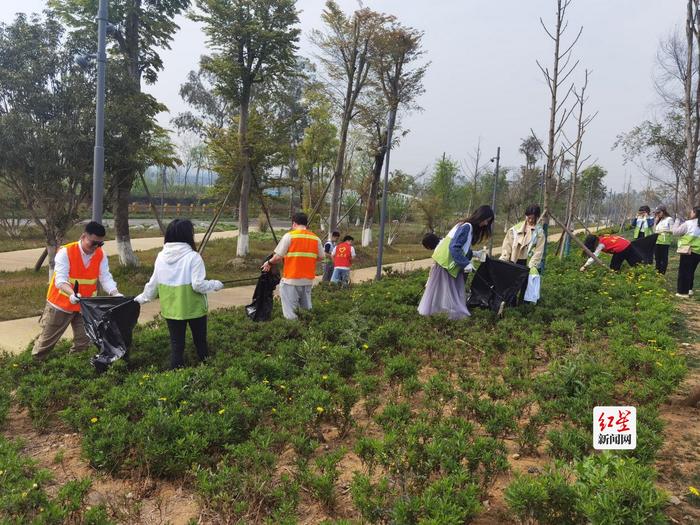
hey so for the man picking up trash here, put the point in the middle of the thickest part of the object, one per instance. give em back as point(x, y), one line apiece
point(82, 262)
point(301, 249)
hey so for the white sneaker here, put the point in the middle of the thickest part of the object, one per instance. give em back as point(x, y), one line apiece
point(501, 307)
point(683, 296)
point(690, 293)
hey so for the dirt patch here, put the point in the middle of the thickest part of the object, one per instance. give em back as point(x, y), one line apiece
point(678, 462)
point(144, 501)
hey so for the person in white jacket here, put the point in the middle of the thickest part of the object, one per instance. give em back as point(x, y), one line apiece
point(689, 250)
point(179, 281)
point(663, 226)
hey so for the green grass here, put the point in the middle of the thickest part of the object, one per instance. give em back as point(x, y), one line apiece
point(23, 293)
point(433, 409)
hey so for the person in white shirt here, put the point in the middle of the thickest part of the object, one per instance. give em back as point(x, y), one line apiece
point(179, 280)
point(78, 267)
point(689, 250)
point(663, 226)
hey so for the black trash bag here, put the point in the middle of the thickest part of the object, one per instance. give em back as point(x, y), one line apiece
point(109, 323)
point(644, 249)
point(495, 282)
point(261, 307)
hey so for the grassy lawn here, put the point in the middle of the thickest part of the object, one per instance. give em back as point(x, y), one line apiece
point(364, 412)
point(22, 294)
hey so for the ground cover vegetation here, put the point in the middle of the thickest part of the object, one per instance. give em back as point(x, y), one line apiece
point(373, 414)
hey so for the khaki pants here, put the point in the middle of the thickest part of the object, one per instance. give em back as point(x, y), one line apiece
point(53, 324)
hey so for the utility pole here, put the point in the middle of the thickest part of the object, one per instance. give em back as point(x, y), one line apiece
point(98, 172)
point(385, 191)
point(493, 195)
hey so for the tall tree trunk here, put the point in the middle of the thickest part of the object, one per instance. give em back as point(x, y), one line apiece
point(373, 192)
point(692, 99)
point(338, 174)
point(243, 235)
point(120, 205)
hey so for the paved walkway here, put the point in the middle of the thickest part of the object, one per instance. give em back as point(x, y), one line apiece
point(18, 333)
point(23, 259)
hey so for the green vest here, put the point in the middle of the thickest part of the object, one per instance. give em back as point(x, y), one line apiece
point(181, 302)
point(690, 240)
point(442, 255)
point(664, 238)
point(643, 227)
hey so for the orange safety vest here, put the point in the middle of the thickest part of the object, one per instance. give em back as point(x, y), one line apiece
point(613, 243)
point(85, 277)
point(300, 261)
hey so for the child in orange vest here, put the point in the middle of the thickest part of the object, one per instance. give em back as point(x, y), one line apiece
point(343, 254)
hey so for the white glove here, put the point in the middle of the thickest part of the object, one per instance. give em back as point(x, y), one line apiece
point(116, 293)
point(468, 268)
point(582, 269)
point(480, 255)
point(75, 298)
point(217, 285)
point(140, 299)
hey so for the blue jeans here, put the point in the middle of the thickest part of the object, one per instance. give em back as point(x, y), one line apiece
point(341, 275)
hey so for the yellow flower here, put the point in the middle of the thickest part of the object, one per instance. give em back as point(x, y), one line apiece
point(24, 494)
point(319, 410)
point(283, 387)
point(324, 377)
point(162, 399)
point(93, 420)
point(266, 382)
point(35, 486)
point(2, 472)
point(694, 491)
point(14, 365)
point(274, 410)
point(365, 346)
point(145, 376)
point(222, 411)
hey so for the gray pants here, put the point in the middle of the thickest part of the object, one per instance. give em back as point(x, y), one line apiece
point(294, 297)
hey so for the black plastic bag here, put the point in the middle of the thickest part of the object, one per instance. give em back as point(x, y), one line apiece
point(496, 282)
point(261, 307)
point(109, 323)
point(644, 249)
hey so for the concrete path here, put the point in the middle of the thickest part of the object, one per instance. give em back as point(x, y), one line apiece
point(23, 259)
point(18, 333)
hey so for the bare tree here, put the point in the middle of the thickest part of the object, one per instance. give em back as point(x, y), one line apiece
point(556, 79)
point(582, 122)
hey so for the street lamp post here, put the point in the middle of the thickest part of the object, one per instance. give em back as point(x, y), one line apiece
point(99, 155)
point(493, 194)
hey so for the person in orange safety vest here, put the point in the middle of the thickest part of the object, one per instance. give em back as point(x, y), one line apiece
point(300, 249)
point(78, 267)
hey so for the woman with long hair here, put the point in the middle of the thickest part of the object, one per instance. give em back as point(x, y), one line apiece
point(179, 280)
point(445, 290)
point(689, 250)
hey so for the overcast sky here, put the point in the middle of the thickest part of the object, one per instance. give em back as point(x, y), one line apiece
point(483, 80)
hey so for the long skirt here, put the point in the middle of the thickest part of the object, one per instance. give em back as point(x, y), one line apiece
point(444, 294)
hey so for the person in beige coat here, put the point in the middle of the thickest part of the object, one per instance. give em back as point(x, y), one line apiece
point(524, 244)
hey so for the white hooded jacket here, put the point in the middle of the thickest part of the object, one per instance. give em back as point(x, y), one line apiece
point(179, 280)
